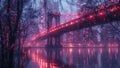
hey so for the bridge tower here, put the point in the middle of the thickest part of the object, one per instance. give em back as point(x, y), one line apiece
point(53, 40)
point(52, 11)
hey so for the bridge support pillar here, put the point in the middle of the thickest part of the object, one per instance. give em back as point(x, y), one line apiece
point(49, 42)
point(53, 43)
point(57, 41)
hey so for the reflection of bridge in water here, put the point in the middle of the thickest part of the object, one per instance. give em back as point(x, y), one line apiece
point(98, 17)
point(53, 59)
point(76, 57)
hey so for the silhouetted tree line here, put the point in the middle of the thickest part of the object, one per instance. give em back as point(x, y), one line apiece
point(10, 15)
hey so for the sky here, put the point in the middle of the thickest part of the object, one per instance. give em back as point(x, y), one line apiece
point(64, 9)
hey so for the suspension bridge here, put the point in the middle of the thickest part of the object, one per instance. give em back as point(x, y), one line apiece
point(97, 17)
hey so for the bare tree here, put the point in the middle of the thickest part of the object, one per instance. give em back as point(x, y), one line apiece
point(10, 24)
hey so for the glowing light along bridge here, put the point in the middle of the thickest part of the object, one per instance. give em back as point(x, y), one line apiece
point(103, 16)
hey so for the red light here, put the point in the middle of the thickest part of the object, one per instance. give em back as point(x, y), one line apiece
point(51, 30)
point(77, 16)
point(112, 0)
point(83, 19)
point(114, 15)
point(59, 27)
point(102, 6)
point(66, 25)
point(91, 16)
point(62, 26)
point(71, 23)
point(101, 13)
point(113, 9)
point(56, 28)
point(76, 21)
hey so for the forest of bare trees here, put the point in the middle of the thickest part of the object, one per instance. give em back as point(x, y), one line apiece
point(11, 11)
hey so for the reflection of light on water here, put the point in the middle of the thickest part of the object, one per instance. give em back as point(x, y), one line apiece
point(70, 53)
point(88, 50)
point(37, 51)
point(41, 61)
point(109, 50)
point(79, 50)
point(70, 45)
point(92, 51)
point(101, 50)
point(70, 50)
point(115, 50)
point(29, 52)
point(112, 45)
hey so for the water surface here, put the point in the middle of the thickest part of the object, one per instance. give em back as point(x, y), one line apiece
point(73, 58)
